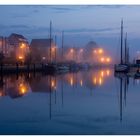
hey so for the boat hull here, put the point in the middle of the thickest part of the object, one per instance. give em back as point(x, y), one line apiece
point(121, 68)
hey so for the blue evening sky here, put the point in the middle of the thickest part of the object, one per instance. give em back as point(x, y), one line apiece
point(81, 24)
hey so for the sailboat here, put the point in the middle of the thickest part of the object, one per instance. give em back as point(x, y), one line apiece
point(122, 67)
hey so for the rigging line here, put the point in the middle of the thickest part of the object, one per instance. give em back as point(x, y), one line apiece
point(117, 50)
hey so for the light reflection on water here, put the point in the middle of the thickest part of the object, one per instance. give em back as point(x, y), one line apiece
point(14, 86)
point(86, 102)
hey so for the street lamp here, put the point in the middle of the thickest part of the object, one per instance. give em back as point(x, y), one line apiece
point(108, 59)
point(100, 51)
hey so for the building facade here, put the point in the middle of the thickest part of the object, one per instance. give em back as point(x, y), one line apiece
point(18, 47)
point(43, 50)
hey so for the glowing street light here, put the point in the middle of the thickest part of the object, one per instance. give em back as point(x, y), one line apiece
point(100, 51)
point(102, 59)
point(95, 51)
point(53, 49)
point(81, 50)
point(108, 59)
point(22, 46)
point(71, 50)
point(20, 57)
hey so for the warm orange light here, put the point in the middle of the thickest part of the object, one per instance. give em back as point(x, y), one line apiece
point(100, 81)
point(22, 89)
point(102, 59)
point(81, 50)
point(71, 81)
point(95, 80)
point(53, 49)
point(95, 51)
point(108, 59)
point(71, 50)
point(108, 72)
point(102, 73)
point(20, 57)
point(22, 45)
point(43, 58)
point(81, 82)
point(52, 83)
point(100, 51)
point(1, 94)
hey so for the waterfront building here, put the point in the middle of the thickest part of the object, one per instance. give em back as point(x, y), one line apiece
point(41, 51)
point(18, 47)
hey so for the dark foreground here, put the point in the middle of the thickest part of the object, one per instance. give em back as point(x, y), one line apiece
point(87, 102)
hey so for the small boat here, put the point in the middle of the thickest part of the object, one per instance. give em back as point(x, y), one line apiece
point(121, 68)
point(63, 68)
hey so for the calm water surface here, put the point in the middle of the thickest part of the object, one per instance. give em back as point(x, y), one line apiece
point(86, 102)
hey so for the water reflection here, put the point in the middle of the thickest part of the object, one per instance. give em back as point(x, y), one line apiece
point(98, 100)
point(124, 83)
point(14, 86)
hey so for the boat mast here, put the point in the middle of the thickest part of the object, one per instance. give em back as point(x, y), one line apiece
point(50, 40)
point(126, 49)
point(55, 47)
point(62, 44)
point(122, 41)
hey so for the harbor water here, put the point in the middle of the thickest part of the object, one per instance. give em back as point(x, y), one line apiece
point(95, 102)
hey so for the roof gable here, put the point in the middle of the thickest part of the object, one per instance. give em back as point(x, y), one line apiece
point(17, 36)
point(41, 43)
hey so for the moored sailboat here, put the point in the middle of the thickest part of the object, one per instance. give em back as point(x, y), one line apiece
point(122, 67)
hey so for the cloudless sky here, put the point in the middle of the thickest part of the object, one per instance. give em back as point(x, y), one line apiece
point(81, 24)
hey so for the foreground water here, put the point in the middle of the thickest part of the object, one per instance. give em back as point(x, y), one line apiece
point(87, 102)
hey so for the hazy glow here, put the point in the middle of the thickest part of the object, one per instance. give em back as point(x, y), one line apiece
point(108, 72)
point(102, 73)
point(108, 59)
point(71, 50)
point(100, 51)
point(22, 45)
point(22, 89)
point(102, 59)
point(71, 81)
point(20, 57)
point(100, 81)
point(81, 82)
point(81, 50)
